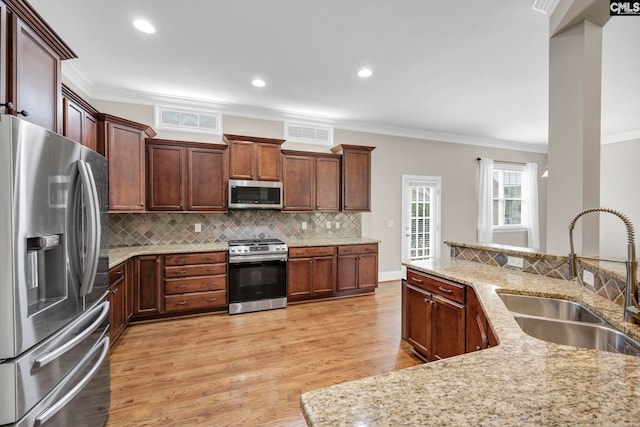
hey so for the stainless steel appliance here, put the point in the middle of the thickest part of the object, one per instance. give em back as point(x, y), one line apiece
point(54, 317)
point(255, 194)
point(257, 275)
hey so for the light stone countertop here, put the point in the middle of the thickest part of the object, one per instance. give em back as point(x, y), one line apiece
point(118, 255)
point(522, 381)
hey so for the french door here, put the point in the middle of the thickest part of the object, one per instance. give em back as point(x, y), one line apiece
point(420, 217)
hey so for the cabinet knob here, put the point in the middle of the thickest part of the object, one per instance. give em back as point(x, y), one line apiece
point(426, 300)
point(8, 104)
point(24, 113)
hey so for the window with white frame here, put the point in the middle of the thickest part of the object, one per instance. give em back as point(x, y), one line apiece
point(508, 196)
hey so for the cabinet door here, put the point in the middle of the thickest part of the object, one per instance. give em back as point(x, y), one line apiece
point(268, 162)
point(447, 328)
point(148, 292)
point(417, 320)
point(241, 159)
point(130, 279)
point(117, 319)
point(125, 152)
point(206, 178)
point(324, 275)
point(165, 165)
point(36, 88)
point(299, 278)
point(367, 271)
point(90, 134)
point(347, 272)
point(357, 179)
point(72, 121)
point(298, 183)
point(327, 184)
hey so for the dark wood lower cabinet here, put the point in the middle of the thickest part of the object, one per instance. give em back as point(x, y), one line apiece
point(148, 292)
point(357, 267)
point(440, 317)
point(117, 301)
point(311, 272)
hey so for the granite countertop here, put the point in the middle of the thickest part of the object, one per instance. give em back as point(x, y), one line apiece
point(522, 381)
point(118, 255)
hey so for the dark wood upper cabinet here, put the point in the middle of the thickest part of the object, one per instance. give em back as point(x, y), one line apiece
point(356, 177)
point(79, 120)
point(311, 181)
point(184, 176)
point(30, 68)
point(122, 143)
point(253, 158)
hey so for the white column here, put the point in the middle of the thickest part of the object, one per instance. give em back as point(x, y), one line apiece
point(575, 59)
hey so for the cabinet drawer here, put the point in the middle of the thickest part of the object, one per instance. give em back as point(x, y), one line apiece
point(195, 270)
point(450, 290)
point(357, 249)
point(202, 258)
point(312, 251)
point(195, 301)
point(116, 273)
point(195, 284)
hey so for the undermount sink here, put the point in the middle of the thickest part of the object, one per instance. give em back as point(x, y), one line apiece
point(548, 307)
point(568, 323)
point(584, 335)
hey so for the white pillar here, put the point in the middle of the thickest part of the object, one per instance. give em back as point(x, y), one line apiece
point(575, 59)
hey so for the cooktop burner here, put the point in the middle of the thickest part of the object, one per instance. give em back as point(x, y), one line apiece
point(255, 242)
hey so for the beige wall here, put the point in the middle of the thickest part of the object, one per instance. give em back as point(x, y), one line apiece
point(392, 158)
point(456, 164)
point(619, 180)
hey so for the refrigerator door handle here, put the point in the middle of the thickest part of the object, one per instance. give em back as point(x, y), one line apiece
point(93, 227)
point(46, 415)
point(48, 357)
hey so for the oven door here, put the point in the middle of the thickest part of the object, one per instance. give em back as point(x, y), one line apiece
point(257, 280)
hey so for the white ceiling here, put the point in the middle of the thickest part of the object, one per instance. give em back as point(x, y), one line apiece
point(471, 69)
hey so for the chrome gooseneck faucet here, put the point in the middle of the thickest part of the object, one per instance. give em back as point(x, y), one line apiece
point(631, 309)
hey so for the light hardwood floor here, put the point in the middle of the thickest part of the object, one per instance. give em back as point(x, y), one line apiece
point(250, 369)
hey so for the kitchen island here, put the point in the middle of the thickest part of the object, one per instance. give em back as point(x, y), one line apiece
point(522, 381)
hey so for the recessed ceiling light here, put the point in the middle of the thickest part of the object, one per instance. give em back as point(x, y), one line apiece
point(258, 83)
point(144, 26)
point(365, 72)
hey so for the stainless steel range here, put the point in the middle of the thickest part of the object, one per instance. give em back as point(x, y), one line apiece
point(257, 275)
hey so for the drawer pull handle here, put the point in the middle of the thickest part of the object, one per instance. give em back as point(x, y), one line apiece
point(181, 302)
point(180, 286)
point(449, 291)
point(182, 259)
point(416, 280)
point(212, 283)
point(181, 271)
point(212, 299)
point(212, 270)
point(120, 272)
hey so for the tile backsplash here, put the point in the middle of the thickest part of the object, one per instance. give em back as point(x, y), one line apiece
point(133, 229)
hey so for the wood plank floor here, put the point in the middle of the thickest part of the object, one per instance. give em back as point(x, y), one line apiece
point(250, 369)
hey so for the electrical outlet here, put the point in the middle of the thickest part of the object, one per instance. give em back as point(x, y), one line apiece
point(197, 227)
point(337, 224)
point(304, 225)
point(587, 277)
point(515, 261)
point(328, 225)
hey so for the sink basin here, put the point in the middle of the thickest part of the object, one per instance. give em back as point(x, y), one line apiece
point(584, 335)
point(548, 307)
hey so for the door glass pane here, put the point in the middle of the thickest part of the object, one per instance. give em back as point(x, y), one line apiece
point(420, 229)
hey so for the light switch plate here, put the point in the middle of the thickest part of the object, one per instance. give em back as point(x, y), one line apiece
point(515, 261)
point(304, 225)
point(328, 225)
point(197, 227)
point(587, 277)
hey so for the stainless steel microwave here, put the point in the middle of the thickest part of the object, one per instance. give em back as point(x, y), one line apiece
point(255, 194)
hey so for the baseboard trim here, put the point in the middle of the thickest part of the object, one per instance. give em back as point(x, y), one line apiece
point(387, 276)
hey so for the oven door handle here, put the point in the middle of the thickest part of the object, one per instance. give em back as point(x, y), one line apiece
point(257, 258)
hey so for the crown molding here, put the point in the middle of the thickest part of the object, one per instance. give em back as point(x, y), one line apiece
point(77, 78)
point(621, 137)
point(150, 98)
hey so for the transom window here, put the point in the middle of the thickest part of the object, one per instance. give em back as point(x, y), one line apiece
point(507, 195)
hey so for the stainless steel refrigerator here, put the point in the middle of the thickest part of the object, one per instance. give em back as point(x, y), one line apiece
point(54, 313)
